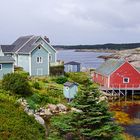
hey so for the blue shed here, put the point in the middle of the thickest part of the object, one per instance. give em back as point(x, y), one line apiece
point(72, 66)
point(70, 90)
point(6, 65)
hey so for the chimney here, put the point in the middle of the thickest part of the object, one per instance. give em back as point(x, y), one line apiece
point(47, 39)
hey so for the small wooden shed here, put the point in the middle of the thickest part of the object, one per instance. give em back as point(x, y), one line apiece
point(72, 66)
point(70, 90)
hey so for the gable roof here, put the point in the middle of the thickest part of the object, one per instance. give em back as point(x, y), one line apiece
point(29, 46)
point(72, 63)
point(21, 41)
point(7, 48)
point(69, 84)
point(6, 59)
point(24, 45)
point(109, 66)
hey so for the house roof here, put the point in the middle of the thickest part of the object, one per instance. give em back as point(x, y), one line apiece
point(20, 42)
point(72, 63)
point(29, 46)
point(7, 48)
point(6, 59)
point(23, 45)
point(109, 66)
point(69, 84)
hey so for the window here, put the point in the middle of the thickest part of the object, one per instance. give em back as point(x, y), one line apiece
point(50, 57)
point(125, 80)
point(0, 66)
point(39, 60)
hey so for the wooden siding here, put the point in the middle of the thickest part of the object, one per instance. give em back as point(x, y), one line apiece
point(23, 61)
point(38, 66)
point(6, 68)
point(50, 50)
point(100, 79)
point(126, 70)
point(70, 91)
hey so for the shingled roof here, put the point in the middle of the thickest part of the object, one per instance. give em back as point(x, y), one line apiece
point(6, 59)
point(109, 66)
point(7, 48)
point(72, 63)
point(69, 84)
point(29, 46)
point(21, 41)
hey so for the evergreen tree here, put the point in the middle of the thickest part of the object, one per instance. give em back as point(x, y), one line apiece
point(93, 122)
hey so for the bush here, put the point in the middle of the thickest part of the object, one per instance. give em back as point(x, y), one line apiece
point(57, 70)
point(36, 85)
point(79, 77)
point(61, 80)
point(15, 124)
point(16, 83)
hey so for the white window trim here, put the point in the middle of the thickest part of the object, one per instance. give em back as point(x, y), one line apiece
point(40, 59)
point(0, 66)
point(124, 80)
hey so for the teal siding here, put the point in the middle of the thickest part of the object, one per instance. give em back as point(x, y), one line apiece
point(50, 50)
point(39, 69)
point(6, 68)
point(70, 92)
point(23, 61)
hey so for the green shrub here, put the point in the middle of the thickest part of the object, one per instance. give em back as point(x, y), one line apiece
point(15, 124)
point(36, 100)
point(61, 80)
point(57, 70)
point(79, 77)
point(16, 83)
point(36, 85)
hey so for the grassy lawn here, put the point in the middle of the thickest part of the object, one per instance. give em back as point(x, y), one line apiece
point(15, 124)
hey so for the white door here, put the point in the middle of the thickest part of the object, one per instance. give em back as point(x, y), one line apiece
point(39, 71)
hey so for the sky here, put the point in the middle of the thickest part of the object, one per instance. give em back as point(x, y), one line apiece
point(71, 22)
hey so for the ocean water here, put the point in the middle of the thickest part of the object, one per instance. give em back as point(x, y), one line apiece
point(87, 59)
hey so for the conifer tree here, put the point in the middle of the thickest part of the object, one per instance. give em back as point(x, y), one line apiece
point(93, 121)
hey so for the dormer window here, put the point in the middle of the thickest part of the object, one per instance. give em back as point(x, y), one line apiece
point(125, 80)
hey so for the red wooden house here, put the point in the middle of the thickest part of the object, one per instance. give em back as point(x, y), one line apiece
point(117, 74)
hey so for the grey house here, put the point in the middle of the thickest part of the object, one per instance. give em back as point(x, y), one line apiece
point(33, 53)
point(6, 65)
point(72, 67)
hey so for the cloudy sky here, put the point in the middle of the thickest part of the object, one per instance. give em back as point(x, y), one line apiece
point(71, 21)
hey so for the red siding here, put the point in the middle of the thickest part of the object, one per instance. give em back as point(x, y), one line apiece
point(126, 70)
point(100, 79)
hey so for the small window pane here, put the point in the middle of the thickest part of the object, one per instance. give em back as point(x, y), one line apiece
point(125, 80)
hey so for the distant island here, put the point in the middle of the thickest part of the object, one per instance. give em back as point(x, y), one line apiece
point(109, 46)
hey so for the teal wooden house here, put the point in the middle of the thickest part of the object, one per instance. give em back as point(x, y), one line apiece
point(70, 90)
point(33, 53)
point(6, 65)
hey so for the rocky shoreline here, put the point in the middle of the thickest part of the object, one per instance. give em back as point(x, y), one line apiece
point(131, 55)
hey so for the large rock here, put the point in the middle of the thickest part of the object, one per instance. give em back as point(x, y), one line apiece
point(75, 110)
point(53, 108)
point(39, 119)
point(61, 107)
